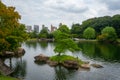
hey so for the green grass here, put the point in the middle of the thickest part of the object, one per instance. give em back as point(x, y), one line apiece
point(118, 40)
point(7, 78)
point(63, 58)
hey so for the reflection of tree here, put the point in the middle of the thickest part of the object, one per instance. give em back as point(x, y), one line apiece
point(32, 44)
point(19, 69)
point(106, 51)
point(89, 49)
point(60, 73)
point(43, 44)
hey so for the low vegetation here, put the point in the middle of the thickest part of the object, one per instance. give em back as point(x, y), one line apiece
point(7, 78)
point(63, 58)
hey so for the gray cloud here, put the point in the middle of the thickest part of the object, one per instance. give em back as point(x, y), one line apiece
point(112, 4)
point(55, 11)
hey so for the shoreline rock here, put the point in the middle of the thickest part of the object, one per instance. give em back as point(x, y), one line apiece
point(4, 69)
point(41, 57)
point(96, 65)
point(17, 53)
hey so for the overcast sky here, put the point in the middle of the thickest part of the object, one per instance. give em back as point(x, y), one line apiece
point(49, 12)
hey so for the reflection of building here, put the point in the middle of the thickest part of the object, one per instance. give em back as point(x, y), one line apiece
point(29, 28)
point(36, 28)
point(53, 28)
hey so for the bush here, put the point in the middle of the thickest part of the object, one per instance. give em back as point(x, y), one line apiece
point(89, 33)
point(108, 35)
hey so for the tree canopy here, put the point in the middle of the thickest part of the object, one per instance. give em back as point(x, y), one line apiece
point(64, 43)
point(89, 33)
point(64, 28)
point(11, 31)
point(108, 34)
point(98, 23)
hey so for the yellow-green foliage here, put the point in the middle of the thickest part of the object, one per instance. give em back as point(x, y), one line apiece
point(63, 58)
point(7, 78)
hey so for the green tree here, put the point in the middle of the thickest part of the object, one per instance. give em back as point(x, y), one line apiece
point(12, 33)
point(64, 28)
point(43, 33)
point(108, 34)
point(76, 30)
point(116, 23)
point(89, 33)
point(64, 43)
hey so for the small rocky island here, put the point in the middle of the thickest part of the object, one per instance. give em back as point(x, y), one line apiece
point(69, 63)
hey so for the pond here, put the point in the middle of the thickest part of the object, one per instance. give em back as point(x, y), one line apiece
point(107, 55)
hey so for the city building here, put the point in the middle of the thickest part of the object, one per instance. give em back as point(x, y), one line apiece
point(53, 28)
point(36, 28)
point(28, 29)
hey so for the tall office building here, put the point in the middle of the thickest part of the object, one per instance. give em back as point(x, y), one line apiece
point(36, 28)
point(28, 29)
point(53, 28)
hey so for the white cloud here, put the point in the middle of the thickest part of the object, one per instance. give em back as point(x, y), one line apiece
point(55, 11)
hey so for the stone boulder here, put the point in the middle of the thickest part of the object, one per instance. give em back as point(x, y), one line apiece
point(8, 53)
point(71, 64)
point(19, 52)
point(85, 66)
point(52, 63)
point(41, 57)
point(97, 65)
point(4, 69)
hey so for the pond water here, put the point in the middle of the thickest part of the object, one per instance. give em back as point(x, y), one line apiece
point(107, 55)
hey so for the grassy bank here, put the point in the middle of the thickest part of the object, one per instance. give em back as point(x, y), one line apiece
point(7, 78)
point(63, 58)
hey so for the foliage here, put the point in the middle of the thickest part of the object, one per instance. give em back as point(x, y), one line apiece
point(7, 78)
point(116, 23)
point(108, 35)
point(89, 33)
point(58, 35)
point(63, 58)
point(98, 23)
point(11, 31)
point(33, 34)
point(76, 30)
point(64, 28)
point(64, 43)
point(43, 33)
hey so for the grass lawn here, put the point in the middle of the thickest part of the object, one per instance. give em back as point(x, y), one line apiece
point(63, 58)
point(7, 78)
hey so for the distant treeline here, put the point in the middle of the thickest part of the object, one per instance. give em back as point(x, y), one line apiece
point(98, 23)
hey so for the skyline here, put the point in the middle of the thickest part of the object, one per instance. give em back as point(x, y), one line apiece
point(53, 12)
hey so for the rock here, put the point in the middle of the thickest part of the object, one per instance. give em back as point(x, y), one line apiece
point(8, 53)
point(19, 52)
point(85, 66)
point(41, 57)
point(4, 69)
point(52, 63)
point(71, 64)
point(97, 65)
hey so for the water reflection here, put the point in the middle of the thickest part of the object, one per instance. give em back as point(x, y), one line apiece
point(19, 68)
point(43, 44)
point(32, 44)
point(26, 68)
point(96, 50)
